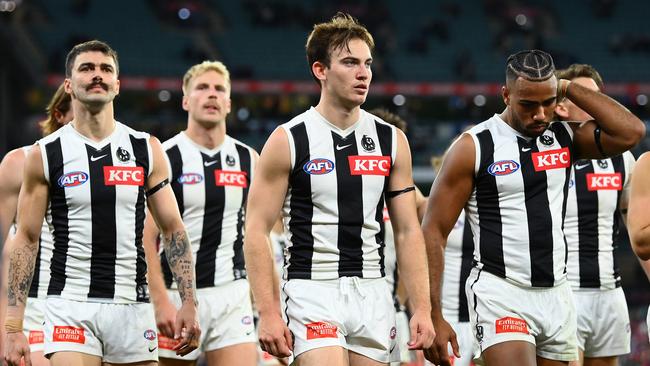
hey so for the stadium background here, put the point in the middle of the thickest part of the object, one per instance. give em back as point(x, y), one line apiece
point(438, 64)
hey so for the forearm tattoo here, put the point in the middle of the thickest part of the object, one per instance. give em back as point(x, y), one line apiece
point(21, 270)
point(179, 255)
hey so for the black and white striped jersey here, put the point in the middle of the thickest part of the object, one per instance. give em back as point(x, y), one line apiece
point(458, 264)
point(592, 220)
point(41, 278)
point(516, 209)
point(390, 255)
point(97, 210)
point(211, 188)
point(333, 210)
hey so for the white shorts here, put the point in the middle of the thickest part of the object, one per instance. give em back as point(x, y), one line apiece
point(403, 336)
point(501, 311)
point(354, 313)
point(603, 322)
point(33, 323)
point(225, 317)
point(118, 333)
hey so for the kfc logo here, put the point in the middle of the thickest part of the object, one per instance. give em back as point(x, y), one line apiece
point(597, 182)
point(230, 178)
point(551, 159)
point(123, 176)
point(369, 165)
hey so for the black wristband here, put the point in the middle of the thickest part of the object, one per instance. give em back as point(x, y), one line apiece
point(158, 187)
point(598, 144)
point(393, 194)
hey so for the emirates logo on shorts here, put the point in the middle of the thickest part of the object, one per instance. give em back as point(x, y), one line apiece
point(318, 330)
point(167, 343)
point(510, 324)
point(36, 337)
point(69, 334)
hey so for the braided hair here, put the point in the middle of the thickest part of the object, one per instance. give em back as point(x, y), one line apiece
point(531, 65)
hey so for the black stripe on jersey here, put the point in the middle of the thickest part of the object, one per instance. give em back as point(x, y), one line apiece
point(104, 232)
point(140, 152)
point(465, 269)
point(302, 209)
point(239, 269)
point(176, 162)
point(59, 211)
point(538, 213)
point(350, 206)
point(564, 139)
point(215, 197)
point(619, 166)
point(385, 137)
point(489, 211)
point(33, 288)
point(587, 207)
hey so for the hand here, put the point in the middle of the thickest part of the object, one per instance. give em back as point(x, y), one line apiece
point(274, 335)
point(186, 329)
point(16, 348)
point(165, 318)
point(422, 331)
point(437, 353)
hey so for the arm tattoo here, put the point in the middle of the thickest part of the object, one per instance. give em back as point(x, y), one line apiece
point(21, 270)
point(179, 255)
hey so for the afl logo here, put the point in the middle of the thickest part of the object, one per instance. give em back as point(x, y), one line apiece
point(503, 167)
point(190, 178)
point(318, 166)
point(73, 179)
point(150, 334)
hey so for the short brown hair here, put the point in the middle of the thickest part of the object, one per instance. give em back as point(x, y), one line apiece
point(333, 35)
point(90, 46)
point(60, 102)
point(390, 118)
point(580, 71)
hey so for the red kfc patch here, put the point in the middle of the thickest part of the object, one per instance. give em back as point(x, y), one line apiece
point(69, 334)
point(230, 178)
point(604, 181)
point(321, 330)
point(511, 325)
point(369, 165)
point(551, 159)
point(124, 175)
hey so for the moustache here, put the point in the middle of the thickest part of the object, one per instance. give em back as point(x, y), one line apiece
point(102, 85)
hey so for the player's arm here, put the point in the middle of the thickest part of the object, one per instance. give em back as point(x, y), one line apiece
point(449, 194)
point(420, 203)
point(175, 241)
point(265, 198)
point(11, 178)
point(638, 220)
point(164, 309)
point(409, 245)
point(23, 248)
point(620, 130)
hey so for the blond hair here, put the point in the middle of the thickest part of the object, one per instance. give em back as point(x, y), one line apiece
point(202, 68)
point(60, 102)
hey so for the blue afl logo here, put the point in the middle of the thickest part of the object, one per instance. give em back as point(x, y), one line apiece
point(318, 166)
point(72, 179)
point(503, 167)
point(150, 334)
point(190, 178)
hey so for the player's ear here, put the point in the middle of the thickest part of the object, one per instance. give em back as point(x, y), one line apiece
point(318, 69)
point(186, 103)
point(561, 110)
point(505, 94)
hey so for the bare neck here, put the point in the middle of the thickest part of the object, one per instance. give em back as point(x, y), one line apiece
point(338, 114)
point(208, 135)
point(96, 125)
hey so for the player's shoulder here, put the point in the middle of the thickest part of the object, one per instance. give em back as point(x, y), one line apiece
point(131, 131)
point(303, 117)
point(239, 143)
point(13, 161)
point(173, 141)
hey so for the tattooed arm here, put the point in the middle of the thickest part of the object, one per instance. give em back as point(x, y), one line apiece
point(22, 250)
point(164, 211)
